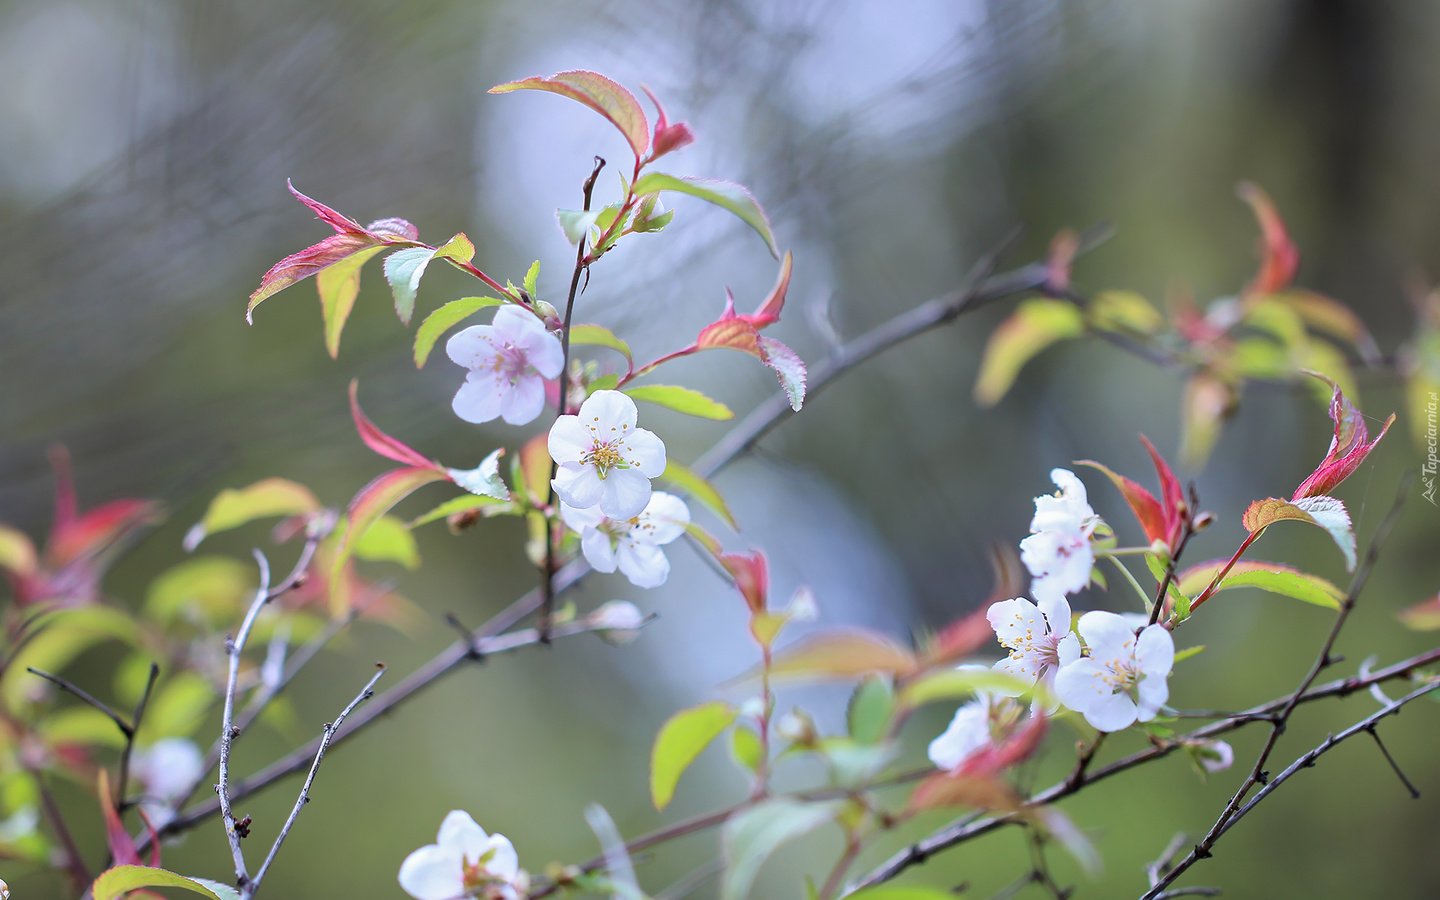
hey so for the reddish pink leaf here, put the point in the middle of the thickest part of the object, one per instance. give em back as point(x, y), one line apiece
point(122, 846)
point(375, 500)
point(97, 529)
point(599, 93)
point(1422, 616)
point(1279, 256)
point(1017, 747)
point(769, 311)
point(1063, 248)
point(1348, 447)
point(752, 576)
point(944, 789)
point(959, 639)
point(668, 137)
point(730, 332)
point(1147, 509)
point(65, 504)
point(1171, 493)
point(382, 443)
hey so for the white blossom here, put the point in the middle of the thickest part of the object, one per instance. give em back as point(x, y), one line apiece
point(464, 862)
point(1058, 552)
point(165, 771)
point(983, 722)
point(1123, 679)
point(509, 362)
point(620, 621)
point(602, 459)
point(1038, 638)
point(1213, 756)
point(633, 544)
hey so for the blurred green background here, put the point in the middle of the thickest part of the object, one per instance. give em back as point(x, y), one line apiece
point(143, 154)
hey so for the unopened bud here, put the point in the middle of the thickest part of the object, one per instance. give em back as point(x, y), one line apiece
point(1203, 521)
point(620, 620)
point(549, 315)
point(797, 727)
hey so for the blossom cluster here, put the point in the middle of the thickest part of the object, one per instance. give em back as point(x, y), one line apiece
point(1109, 668)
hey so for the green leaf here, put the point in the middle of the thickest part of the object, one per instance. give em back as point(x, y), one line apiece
point(17, 551)
point(871, 709)
point(680, 741)
point(65, 636)
point(1325, 512)
point(751, 835)
point(180, 706)
point(576, 223)
point(603, 383)
point(900, 892)
point(114, 884)
point(724, 194)
point(843, 654)
point(375, 500)
point(1182, 655)
point(404, 269)
point(442, 319)
point(682, 400)
point(460, 504)
point(1124, 311)
point(600, 336)
point(207, 589)
point(532, 279)
point(1034, 326)
point(1274, 578)
point(955, 684)
point(745, 747)
point(339, 285)
point(265, 499)
point(388, 539)
point(691, 484)
point(83, 725)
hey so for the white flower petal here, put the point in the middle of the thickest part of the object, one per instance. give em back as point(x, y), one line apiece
point(598, 550)
point(1155, 652)
point(1057, 611)
point(644, 564)
point(579, 486)
point(665, 518)
point(1112, 713)
point(542, 350)
point(579, 520)
point(503, 863)
point(1068, 649)
point(1107, 635)
point(967, 732)
point(646, 452)
point(433, 873)
point(512, 323)
point(460, 832)
point(479, 398)
point(624, 493)
point(1016, 622)
point(1025, 667)
point(1081, 684)
point(569, 440)
point(610, 409)
point(524, 401)
point(1154, 692)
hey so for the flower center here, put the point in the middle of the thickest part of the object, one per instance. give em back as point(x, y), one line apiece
point(604, 456)
point(1121, 675)
point(510, 362)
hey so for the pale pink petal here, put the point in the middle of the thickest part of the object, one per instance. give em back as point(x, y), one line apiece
point(1016, 621)
point(624, 493)
point(479, 398)
point(523, 401)
point(473, 347)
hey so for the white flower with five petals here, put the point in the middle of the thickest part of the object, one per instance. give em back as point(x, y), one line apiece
point(1038, 638)
point(1058, 552)
point(1124, 679)
point(602, 459)
point(983, 722)
point(632, 544)
point(463, 862)
point(509, 362)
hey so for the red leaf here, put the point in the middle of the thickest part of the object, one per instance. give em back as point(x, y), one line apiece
point(375, 500)
point(843, 654)
point(668, 137)
point(1171, 492)
point(1279, 256)
point(769, 311)
point(97, 529)
point(599, 93)
point(944, 789)
point(122, 846)
point(1147, 509)
point(730, 332)
point(64, 487)
point(1348, 447)
point(959, 639)
point(1063, 248)
point(752, 576)
point(1017, 747)
point(382, 443)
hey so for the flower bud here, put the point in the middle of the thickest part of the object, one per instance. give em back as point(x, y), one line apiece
point(620, 620)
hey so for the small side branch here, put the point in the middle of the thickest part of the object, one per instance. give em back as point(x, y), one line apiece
point(330, 727)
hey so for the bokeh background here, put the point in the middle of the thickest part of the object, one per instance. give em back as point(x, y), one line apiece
point(144, 147)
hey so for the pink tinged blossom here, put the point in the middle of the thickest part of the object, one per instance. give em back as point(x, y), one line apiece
point(633, 544)
point(1124, 678)
point(602, 459)
point(985, 722)
point(509, 361)
point(1058, 552)
point(463, 862)
point(1038, 638)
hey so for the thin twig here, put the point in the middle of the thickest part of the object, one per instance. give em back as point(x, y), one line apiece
point(123, 779)
point(251, 889)
point(1395, 766)
point(228, 731)
point(125, 727)
point(74, 862)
